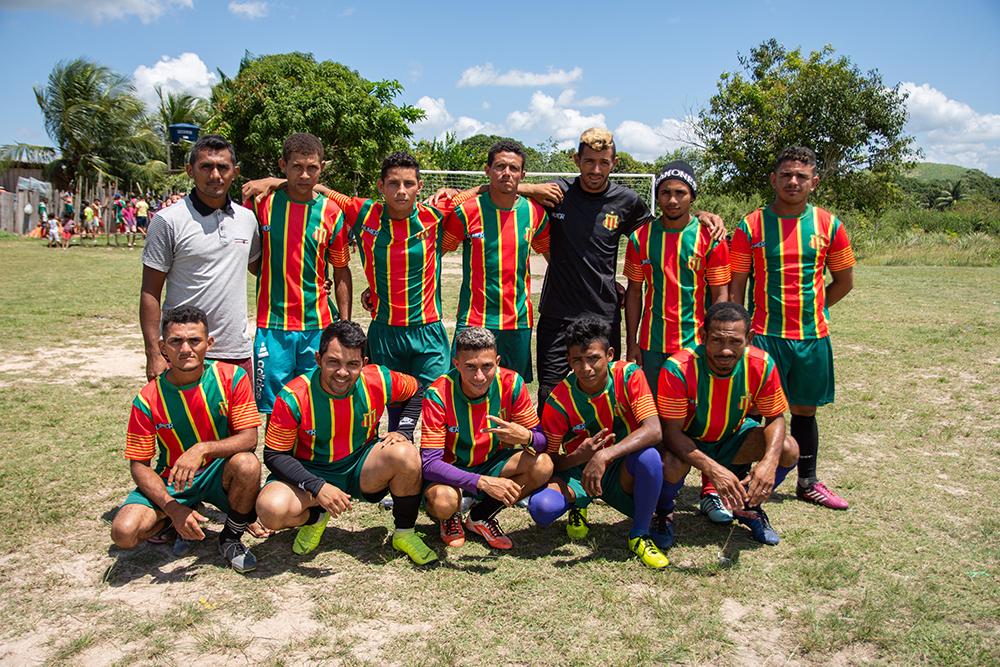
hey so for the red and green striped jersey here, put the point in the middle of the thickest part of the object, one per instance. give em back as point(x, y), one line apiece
point(787, 257)
point(676, 266)
point(455, 423)
point(570, 415)
point(173, 419)
point(496, 276)
point(714, 407)
point(297, 241)
point(401, 259)
point(317, 426)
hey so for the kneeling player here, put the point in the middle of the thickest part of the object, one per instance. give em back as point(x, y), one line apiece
point(480, 434)
point(604, 417)
point(202, 419)
point(704, 396)
point(322, 445)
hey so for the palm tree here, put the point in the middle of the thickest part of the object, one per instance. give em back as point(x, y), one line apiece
point(177, 108)
point(948, 195)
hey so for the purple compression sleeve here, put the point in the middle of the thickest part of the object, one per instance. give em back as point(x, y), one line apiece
point(436, 470)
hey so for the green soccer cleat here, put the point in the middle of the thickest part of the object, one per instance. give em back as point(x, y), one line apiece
point(648, 553)
point(411, 544)
point(308, 537)
point(577, 527)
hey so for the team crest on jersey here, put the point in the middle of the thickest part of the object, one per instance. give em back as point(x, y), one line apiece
point(503, 414)
point(696, 262)
point(369, 419)
point(610, 221)
point(165, 425)
point(817, 242)
point(321, 235)
point(224, 408)
point(744, 403)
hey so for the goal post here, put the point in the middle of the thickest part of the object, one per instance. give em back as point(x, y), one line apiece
point(435, 179)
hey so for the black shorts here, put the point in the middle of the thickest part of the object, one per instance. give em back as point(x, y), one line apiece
point(550, 360)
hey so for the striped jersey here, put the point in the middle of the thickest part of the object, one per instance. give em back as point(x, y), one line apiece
point(453, 422)
point(570, 415)
point(314, 425)
point(171, 419)
point(676, 266)
point(496, 276)
point(714, 407)
point(401, 259)
point(786, 258)
point(297, 240)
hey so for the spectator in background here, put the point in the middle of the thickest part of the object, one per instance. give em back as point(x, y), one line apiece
point(67, 230)
point(128, 215)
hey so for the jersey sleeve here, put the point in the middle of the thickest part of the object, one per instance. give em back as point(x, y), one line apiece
point(522, 411)
point(140, 438)
point(770, 399)
point(349, 205)
point(452, 230)
point(554, 425)
point(717, 268)
point(841, 255)
point(671, 393)
point(540, 240)
point(339, 251)
point(433, 424)
point(638, 395)
point(283, 429)
point(633, 262)
point(638, 215)
point(402, 388)
point(740, 258)
point(242, 408)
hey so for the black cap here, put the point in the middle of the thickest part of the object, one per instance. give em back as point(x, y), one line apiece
point(677, 170)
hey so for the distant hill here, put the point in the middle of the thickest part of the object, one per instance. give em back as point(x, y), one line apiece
point(929, 172)
point(928, 177)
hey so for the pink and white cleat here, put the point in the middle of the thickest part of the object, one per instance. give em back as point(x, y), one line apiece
point(818, 494)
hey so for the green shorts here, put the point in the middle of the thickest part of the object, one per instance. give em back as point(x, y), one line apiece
point(514, 348)
point(206, 487)
point(420, 350)
point(611, 485)
point(724, 451)
point(805, 367)
point(652, 362)
point(345, 474)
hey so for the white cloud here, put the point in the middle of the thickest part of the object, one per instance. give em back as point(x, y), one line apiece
point(562, 123)
point(186, 73)
point(568, 98)
point(488, 75)
point(952, 131)
point(647, 143)
point(253, 9)
point(465, 127)
point(438, 121)
point(436, 114)
point(103, 10)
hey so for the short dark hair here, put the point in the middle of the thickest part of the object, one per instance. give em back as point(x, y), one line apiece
point(795, 154)
point(507, 146)
point(211, 142)
point(350, 334)
point(302, 143)
point(399, 159)
point(183, 315)
point(586, 330)
point(726, 311)
point(475, 339)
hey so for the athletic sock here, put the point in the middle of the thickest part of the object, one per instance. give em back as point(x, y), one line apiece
point(404, 510)
point(780, 473)
point(486, 509)
point(806, 433)
point(236, 525)
point(314, 514)
point(547, 505)
point(646, 467)
point(668, 494)
point(394, 412)
point(706, 486)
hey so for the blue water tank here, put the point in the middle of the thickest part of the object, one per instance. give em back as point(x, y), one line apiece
point(183, 132)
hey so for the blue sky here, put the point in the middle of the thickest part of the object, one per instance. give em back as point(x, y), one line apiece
point(536, 70)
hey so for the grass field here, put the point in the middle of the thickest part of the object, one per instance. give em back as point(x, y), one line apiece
point(909, 575)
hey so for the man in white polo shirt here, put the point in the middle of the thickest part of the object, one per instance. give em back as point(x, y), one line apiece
point(200, 248)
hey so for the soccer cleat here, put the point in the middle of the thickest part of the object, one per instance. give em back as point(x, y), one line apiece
point(577, 526)
point(451, 531)
point(760, 526)
point(661, 530)
point(647, 551)
point(712, 507)
point(411, 544)
point(818, 494)
point(308, 537)
point(489, 530)
point(238, 556)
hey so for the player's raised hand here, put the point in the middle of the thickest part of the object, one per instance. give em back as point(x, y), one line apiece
point(598, 441)
point(186, 467)
point(333, 500)
point(505, 490)
point(187, 522)
point(509, 433)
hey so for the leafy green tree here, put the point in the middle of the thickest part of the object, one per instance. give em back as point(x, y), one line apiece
point(175, 108)
point(850, 118)
point(274, 96)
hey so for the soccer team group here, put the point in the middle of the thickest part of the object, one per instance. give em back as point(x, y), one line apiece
point(704, 382)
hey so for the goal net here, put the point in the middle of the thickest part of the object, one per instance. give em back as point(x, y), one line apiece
point(463, 180)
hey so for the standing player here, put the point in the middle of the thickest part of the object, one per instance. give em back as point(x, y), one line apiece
point(704, 396)
point(497, 230)
point(322, 446)
point(479, 434)
point(301, 234)
point(602, 431)
point(787, 246)
point(198, 418)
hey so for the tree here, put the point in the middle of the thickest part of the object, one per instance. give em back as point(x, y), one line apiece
point(274, 96)
point(850, 119)
point(175, 108)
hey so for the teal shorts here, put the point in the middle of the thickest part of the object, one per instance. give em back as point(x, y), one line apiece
point(611, 487)
point(805, 367)
point(652, 362)
point(514, 348)
point(420, 350)
point(207, 487)
point(280, 356)
point(344, 474)
point(724, 451)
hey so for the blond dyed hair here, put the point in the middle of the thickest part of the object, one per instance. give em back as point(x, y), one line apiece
point(598, 139)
